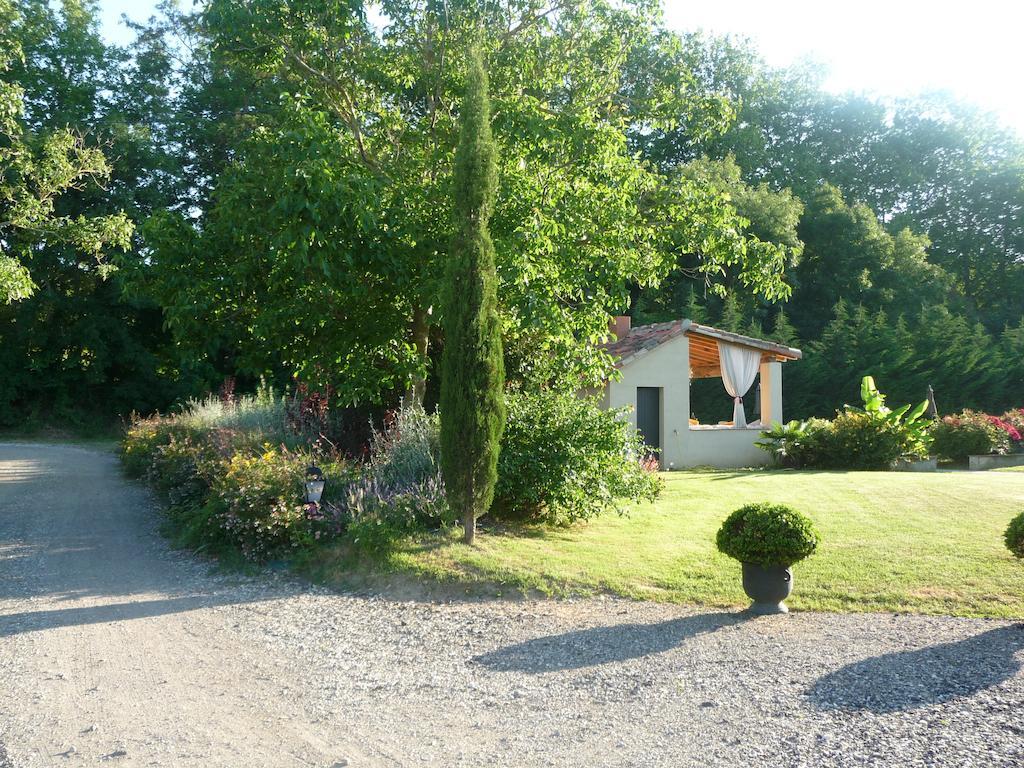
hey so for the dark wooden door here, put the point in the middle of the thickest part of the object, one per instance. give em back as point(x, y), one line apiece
point(648, 415)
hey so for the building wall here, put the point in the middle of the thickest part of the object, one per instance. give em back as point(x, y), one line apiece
point(667, 366)
point(723, 447)
point(771, 393)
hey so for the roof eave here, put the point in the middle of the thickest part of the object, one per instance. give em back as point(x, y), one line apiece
point(790, 353)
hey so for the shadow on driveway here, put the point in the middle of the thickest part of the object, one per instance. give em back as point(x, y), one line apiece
point(602, 645)
point(896, 682)
point(37, 621)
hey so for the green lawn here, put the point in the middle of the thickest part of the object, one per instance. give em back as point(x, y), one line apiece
point(924, 543)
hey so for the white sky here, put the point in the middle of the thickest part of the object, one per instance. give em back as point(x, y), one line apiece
point(973, 49)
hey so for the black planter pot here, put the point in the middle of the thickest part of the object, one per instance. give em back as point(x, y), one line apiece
point(767, 587)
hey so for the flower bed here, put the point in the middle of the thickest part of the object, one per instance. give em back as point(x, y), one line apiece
point(226, 485)
point(232, 472)
point(971, 433)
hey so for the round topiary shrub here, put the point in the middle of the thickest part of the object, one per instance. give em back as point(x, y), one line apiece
point(769, 535)
point(1014, 536)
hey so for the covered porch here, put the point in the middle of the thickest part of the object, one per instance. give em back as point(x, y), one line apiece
point(657, 364)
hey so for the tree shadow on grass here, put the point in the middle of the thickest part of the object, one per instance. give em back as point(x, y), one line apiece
point(896, 682)
point(603, 645)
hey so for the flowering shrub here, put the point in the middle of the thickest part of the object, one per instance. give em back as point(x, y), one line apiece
point(224, 485)
point(141, 440)
point(401, 490)
point(1015, 419)
point(407, 451)
point(259, 504)
point(182, 469)
point(969, 434)
point(1011, 431)
point(378, 514)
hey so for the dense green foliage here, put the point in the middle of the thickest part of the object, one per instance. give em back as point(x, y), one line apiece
point(872, 437)
point(287, 168)
point(564, 459)
point(346, 149)
point(769, 535)
point(954, 438)
point(472, 366)
point(85, 128)
point(1014, 536)
point(38, 168)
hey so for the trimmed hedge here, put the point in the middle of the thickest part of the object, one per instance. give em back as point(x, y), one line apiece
point(769, 535)
point(1014, 536)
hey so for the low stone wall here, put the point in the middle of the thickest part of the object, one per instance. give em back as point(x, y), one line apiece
point(922, 465)
point(993, 461)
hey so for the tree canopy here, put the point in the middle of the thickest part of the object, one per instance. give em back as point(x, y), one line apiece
point(272, 182)
point(39, 164)
point(352, 163)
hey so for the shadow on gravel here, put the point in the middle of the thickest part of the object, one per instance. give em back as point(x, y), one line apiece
point(602, 645)
point(37, 621)
point(896, 682)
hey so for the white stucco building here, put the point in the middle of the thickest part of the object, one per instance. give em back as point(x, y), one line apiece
point(656, 364)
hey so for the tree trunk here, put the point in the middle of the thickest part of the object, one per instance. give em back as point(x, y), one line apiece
point(420, 332)
point(469, 527)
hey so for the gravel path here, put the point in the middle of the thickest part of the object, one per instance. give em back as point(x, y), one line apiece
point(114, 649)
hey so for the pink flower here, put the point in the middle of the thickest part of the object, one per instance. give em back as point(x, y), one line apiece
point(1009, 429)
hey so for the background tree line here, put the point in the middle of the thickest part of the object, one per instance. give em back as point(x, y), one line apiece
point(287, 167)
point(902, 221)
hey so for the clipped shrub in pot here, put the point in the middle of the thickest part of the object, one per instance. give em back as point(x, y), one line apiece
point(1014, 536)
point(767, 539)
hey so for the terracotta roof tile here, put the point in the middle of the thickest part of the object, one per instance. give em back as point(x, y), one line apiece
point(644, 338)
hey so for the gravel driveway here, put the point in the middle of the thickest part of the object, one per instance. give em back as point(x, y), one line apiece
point(115, 649)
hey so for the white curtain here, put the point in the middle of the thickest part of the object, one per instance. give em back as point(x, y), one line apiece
point(739, 369)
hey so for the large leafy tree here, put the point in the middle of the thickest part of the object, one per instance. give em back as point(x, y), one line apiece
point(767, 222)
point(76, 350)
point(38, 168)
point(339, 195)
point(930, 164)
point(472, 368)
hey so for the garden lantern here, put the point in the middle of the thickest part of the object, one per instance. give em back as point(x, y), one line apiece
point(315, 482)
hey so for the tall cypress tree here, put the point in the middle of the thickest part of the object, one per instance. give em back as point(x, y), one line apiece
point(732, 316)
point(784, 332)
point(472, 369)
point(693, 309)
